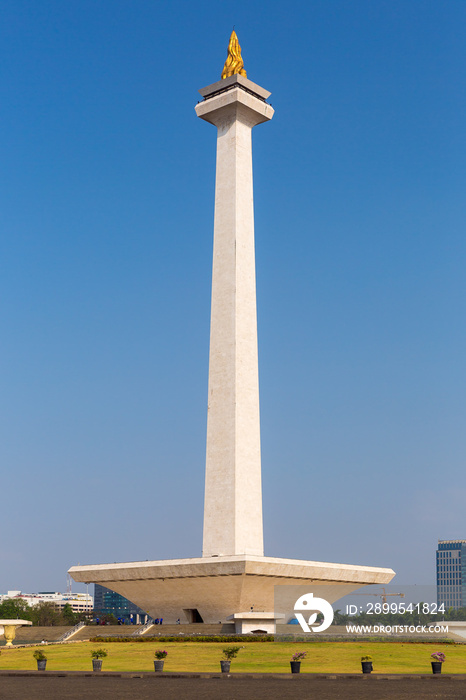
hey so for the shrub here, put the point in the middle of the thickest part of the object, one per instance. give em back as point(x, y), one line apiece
point(39, 655)
point(299, 656)
point(366, 658)
point(230, 653)
point(160, 654)
point(99, 653)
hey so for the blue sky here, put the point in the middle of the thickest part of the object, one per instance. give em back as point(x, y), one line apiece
point(106, 222)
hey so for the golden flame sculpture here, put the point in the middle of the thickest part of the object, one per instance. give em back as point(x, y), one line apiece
point(234, 63)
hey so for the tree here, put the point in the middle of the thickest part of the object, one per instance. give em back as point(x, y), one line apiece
point(45, 615)
point(15, 608)
point(69, 617)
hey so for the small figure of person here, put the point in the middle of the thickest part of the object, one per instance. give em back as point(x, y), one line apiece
point(178, 621)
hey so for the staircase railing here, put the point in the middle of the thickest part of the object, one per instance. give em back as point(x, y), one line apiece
point(144, 628)
point(71, 632)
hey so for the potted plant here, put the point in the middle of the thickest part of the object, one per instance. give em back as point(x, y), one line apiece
point(439, 658)
point(228, 654)
point(160, 655)
point(97, 656)
point(366, 663)
point(41, 659)
point(295, 661)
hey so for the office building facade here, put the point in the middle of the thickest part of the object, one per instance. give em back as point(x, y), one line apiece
point(79, 602)
point(451, 573)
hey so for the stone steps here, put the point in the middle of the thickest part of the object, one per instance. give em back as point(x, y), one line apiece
point(29, 635)
point(105, 631)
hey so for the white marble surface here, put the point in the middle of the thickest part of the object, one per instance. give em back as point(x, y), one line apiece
point(18, 623)
point(233, 491)
point(221, 586)
point(250, 622)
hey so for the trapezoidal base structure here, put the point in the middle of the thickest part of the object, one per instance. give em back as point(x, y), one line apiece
point(210, 589)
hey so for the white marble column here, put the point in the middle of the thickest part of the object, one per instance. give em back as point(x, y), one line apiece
point(233, 492)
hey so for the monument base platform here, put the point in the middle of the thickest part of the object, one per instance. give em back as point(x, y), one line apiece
point(210, 589)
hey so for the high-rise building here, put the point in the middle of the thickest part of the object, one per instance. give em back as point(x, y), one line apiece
point(451, 573)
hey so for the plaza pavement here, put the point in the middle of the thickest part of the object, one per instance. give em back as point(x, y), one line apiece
point(34, 685)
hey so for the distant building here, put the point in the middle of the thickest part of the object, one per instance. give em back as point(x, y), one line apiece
point(80, 602)
point(451, 573)
point(107, 602)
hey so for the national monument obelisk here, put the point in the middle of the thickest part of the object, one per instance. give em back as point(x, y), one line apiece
point(233, 575)
point(233, 493)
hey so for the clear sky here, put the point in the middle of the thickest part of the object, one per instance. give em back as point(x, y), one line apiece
point(106, 223)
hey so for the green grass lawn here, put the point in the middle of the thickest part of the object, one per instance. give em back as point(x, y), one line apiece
point(323, 657)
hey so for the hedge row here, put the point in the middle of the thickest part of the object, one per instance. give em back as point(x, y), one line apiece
point(186, 638)
point(271, 638)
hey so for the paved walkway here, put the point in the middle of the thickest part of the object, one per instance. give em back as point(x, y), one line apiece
point(26, 685)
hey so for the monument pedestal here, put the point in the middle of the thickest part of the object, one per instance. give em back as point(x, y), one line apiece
point(211, 589)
